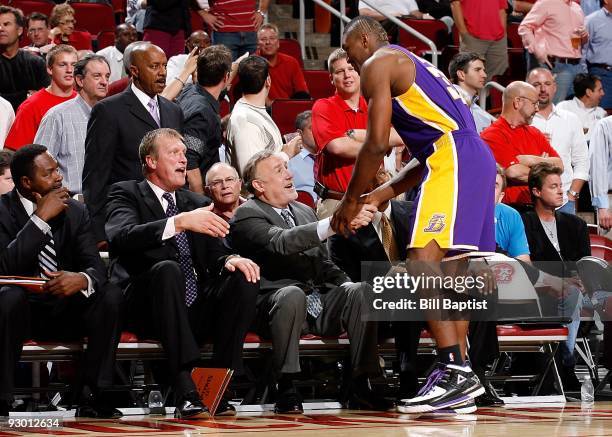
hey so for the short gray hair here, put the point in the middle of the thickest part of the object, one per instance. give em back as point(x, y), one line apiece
point(250, 168)
point(148, 145)
point(302, 118)
point(127, 55)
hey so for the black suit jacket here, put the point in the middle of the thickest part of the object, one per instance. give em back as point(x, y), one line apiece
point(135, 225)
point(116, 126)
point(573, 236)
point(21, 241)
point(364, 245)
point(285, 256)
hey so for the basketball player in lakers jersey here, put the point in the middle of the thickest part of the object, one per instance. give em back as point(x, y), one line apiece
point(456, 172)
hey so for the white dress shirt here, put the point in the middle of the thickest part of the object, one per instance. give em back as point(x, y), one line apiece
point(169, 229)
point(588, 116)
point(145, 99)
point(567, 138)
point(30, 207)
point(600, 152)
point(324, 229)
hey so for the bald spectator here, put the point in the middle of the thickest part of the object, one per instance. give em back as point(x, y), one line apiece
point(553, 31)
point(60, 66)
point(198, 39)
point(125, 34)
point(287, 77)
point(482, 27)
point(588, 92)
point(564, 132)
point(21, 72)
point(516, 145)
point(117, 125)
point(223, 186)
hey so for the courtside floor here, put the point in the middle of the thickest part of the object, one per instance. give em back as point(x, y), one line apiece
point(541, 420)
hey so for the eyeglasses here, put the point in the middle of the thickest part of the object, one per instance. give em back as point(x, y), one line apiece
point(535, 103)
point(220, 182)
point(63, 23)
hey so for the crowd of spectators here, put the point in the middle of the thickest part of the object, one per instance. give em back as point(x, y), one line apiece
point(143, 157)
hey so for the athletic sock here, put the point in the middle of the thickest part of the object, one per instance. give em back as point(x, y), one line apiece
point(450, 355)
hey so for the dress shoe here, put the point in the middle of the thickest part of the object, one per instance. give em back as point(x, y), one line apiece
point(569, 379)
point(191, 407)
point(289, 403)
point(363, 398)
point(225, 409)
point(98, 411)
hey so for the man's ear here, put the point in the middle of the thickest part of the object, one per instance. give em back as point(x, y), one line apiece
point(151, 162)
point(258, 185)
point(26, 183)
point(461, 75)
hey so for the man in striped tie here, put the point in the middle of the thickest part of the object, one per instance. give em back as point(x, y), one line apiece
point(44, 233)
point(185, 287)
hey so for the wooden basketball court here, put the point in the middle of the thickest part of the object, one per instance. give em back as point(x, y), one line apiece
point(570, 419)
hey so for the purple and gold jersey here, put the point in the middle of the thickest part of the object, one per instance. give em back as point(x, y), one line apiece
point(455, 202)
point(429, 109)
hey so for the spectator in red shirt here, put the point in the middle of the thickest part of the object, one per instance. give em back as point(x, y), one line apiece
point(517, 146)
point(62, 22)
point(482, 26)
point(287, 77)
point(60, 66)
point(339, 127)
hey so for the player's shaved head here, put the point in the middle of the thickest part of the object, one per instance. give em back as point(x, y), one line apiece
point(368, 25)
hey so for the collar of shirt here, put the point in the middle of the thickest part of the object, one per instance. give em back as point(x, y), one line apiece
point(305, 154)
point(581, 106)
point(466, 96)
point(209, 98)
point(554, 112)
point(143, 98)
point(378, 217)
point(159, 192)
point(279, 210)
point(28, 205)
point(363, 106)
point(78, 100)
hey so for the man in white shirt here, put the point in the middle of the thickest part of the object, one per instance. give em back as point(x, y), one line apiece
point(564, 132)
point(588, 92)
point(199, 39)
point(467, 71)
point(7, 116)
point(600, 153)
point(125, 34)
point(250, 128)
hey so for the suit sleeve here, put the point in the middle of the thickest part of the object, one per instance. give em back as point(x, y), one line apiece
point(126, 233)
point(17, 252)
point(100, 144)
point(86, 252)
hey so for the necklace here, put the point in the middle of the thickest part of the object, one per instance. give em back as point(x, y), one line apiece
point(548, 229)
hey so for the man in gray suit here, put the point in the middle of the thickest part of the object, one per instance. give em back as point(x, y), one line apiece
point(300, 286)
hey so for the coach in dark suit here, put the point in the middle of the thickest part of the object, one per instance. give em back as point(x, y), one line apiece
point(181, 276)
point(117, 125)
point(299, 282)
point(45, 233)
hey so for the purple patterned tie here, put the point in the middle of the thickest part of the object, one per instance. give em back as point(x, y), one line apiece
point(185, 261)
point(154, 111)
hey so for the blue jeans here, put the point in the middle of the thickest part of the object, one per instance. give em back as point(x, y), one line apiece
point(564, 75)
point(238, 42)
point(570, 306)
point(606, 82)
point(569, 207)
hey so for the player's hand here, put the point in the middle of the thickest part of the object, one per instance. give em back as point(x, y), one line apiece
point(64, 284)
point(344, 215)
point(51, 204)
point(202, 221)
point(245, 265)
point(364, 217)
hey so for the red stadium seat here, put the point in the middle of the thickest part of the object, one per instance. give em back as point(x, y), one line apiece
point(284, 112)
point(105, 39)
point(291, 47)
point(29, 6)
point(118, 86)
point(197, 23)
point(319, 84)
point(94, 17)
point(120, 9)
point(435, 30)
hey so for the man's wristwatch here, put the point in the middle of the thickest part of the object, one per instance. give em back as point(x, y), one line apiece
point(574, 194)
point(260, 12)
point(350, 133)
